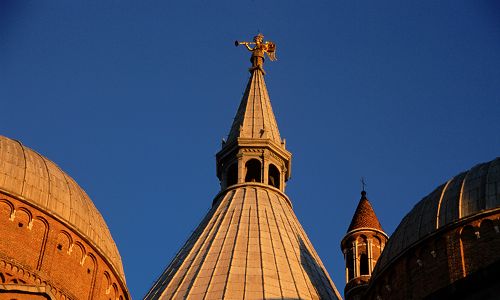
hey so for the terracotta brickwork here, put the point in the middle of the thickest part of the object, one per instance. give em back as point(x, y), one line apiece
point(20, 295)
point(39, 250)
point(438, 261)
point(364, 216)
point(361, 249)
point(362, 246)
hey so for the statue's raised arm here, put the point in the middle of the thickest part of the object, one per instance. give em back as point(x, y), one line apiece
point(258, 51)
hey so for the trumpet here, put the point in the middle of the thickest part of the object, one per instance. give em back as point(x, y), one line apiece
point(237, 43)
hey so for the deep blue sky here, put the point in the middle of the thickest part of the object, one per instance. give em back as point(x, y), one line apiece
point(132, 98)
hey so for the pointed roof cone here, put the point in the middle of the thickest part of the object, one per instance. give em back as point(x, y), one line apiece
point(255, 118)
point(250, 245)
point(364, 216)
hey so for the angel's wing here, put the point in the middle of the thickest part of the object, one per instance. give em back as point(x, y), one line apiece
point(271, 50)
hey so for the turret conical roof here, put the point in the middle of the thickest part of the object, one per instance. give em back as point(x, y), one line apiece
point(364, 217)
point(255, 118)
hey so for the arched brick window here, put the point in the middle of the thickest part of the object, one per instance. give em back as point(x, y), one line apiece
point(363, 264)
point(363, 257)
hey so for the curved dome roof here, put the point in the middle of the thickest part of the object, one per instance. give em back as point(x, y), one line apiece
point(249, 245)
point(26, 174)
point(464, 195)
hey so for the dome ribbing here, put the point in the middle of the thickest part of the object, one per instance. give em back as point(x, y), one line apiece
point(249, 246)
point(469, 193)
point(27, 175)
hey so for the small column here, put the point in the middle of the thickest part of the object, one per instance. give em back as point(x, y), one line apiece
point(370, 256)
point(241, 168)
point(265, 167)
point(282, 178)
point(345, 264)
point(356, 259)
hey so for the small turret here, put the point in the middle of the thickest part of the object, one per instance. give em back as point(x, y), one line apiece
point(362, 246)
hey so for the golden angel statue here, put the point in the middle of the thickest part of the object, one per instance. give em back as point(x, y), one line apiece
point(258, 51)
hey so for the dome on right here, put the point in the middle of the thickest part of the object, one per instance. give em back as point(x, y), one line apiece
point(448, 245)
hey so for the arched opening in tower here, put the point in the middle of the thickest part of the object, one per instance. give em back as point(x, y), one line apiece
point(363, 264)
point(232, 174)
point(349, 258)
point(363, 257)
point(253, 171)
point(274, 176)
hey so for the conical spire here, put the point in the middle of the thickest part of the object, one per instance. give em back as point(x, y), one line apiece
point(250, 245)
point(364, 217)
point(255, 118)
point(254, 135)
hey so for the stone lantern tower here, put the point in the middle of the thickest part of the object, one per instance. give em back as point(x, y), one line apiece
point(362, 246)
point(254, 150)
point(250, 245)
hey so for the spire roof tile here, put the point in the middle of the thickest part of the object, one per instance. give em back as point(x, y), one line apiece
point(364, 217)
point(255, 118)
point(250, 245)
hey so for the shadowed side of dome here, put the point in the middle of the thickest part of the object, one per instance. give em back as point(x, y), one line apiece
point(465, 195)
point(34, 179)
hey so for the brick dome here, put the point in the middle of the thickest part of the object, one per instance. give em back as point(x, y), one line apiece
point(470, 193)
point(29, 176)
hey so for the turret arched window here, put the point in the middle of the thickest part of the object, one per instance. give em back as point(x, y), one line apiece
point(232, 174)
point(363, 257)
point(253, 171)
point(363, 264)
point(274, 176)
point(349, 258)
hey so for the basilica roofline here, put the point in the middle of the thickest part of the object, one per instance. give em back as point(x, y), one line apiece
point(387, 265)
point(221, 194)
point(82, 235)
